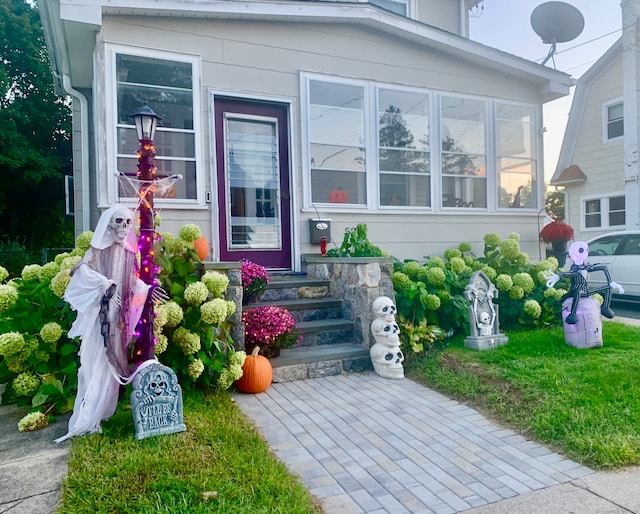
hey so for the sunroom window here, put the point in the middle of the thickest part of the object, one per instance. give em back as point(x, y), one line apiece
point(463, 161)
point(168, 87)
point(403, 148)
point(516, 150)
point(337, 152)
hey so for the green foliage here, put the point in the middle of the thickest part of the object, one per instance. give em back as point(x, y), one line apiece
point(554, 204)
point(356, 244)
point(198, 347)
point(420, 337)
point(35, 134)
point(13, 255)
point(53, 363)
point(434, 291)
point(586, 402)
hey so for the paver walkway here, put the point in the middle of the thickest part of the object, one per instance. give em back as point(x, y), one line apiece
point(362, 443)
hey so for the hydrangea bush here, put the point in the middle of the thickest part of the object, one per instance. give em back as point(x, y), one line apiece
point(39, 363)
point(434, 291)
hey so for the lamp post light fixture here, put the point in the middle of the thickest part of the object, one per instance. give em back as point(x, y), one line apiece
point(146, 122)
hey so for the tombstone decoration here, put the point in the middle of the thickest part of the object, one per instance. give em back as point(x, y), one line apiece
point(386, 356)
point(580, 311)
point(484, 327)
point(156, 401)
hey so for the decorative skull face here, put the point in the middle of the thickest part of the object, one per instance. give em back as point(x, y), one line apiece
point(385, 332)
point(157, 384)
point(383, 307)
point(387, 362)
point(579, 252)
point(121, 223)
point(484, 318)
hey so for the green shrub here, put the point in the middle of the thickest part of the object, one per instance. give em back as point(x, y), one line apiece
point(356, 244)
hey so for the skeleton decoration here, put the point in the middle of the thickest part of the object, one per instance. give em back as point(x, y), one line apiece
point(581, 313)
point(156, 401)
point(108, 296)
point(386, 356)
point(483, 313)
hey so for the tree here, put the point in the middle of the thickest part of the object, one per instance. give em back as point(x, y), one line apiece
point(35, 135)
point(554, 204)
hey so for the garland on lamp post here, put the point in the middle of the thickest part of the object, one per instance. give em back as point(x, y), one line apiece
point(146, 121)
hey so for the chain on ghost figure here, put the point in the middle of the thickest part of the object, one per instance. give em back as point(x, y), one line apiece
point(578, 274)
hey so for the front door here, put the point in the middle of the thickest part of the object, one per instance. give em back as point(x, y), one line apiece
point(252, 154)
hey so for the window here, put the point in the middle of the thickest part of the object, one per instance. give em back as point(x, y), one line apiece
point(463, 161)
point(337, 153)
point(516, 150)
point(396, 6)
point(370, 146)
point(167, 85)
point(403, 148)
point(604, 212)
point(614, 120)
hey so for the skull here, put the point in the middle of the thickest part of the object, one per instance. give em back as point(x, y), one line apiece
point(383, 307)
point(387, 362)
point(385, 332)
point(579, 252)
point(484, 323)
point(157, 384)
point(121, 223)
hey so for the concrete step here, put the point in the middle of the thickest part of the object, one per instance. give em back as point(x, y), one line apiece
point(320, 361)
point(326, 331)
point(294, 287)
point(307, 309)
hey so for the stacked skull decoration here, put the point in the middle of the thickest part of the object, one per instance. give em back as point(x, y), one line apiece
point(385, 354)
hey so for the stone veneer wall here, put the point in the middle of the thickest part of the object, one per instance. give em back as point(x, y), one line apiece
point(233, 293)
point(357, 281)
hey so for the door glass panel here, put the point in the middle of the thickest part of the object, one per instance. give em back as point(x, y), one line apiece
point(253, 184)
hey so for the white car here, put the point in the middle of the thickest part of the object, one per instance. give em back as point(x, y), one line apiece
point(620, 251)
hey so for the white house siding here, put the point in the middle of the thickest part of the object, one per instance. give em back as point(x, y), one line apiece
point(265, 59)
point(444, 14)
point(602, 163)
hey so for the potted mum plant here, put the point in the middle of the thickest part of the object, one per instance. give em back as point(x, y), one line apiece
point(558, 234)
point(254, 281)
point(271, 328)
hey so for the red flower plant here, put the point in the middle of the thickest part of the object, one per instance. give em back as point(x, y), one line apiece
point(556, 231)
point(270, 325)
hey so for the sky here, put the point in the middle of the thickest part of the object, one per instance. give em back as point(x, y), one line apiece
point(505, 24)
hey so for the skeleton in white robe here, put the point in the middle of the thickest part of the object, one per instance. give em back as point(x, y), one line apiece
point(111, 260)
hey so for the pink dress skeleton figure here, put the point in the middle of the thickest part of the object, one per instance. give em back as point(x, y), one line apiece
point(108, 296)
point(578, 274)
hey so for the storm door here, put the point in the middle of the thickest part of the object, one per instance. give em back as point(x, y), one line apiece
point(252, 155)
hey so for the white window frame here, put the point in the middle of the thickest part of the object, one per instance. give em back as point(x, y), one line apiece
point(371, 144)
point(605, 120)
point(111, 121)
point(604, 212)
point(410, 7)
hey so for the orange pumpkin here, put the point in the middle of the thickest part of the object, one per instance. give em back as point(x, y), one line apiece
point(257, 373)
point(338, 195)
point(201, 246)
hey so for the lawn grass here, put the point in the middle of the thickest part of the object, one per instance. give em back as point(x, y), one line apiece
point(584, 403)
point(219, 464)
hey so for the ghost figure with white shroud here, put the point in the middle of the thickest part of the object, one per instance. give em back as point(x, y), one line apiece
point(108, 297)
point(386, 356)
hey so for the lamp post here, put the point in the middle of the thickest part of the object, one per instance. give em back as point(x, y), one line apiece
point(146, 121)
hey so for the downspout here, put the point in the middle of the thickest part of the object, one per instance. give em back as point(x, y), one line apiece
point(463, 19)
point(84, 131)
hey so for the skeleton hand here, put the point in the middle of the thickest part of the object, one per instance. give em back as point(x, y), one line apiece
point(159, 295)
point(111, 295)
point(551, 277)
point(173, 416)
point(617, 287)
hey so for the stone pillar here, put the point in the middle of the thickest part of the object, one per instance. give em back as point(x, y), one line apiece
point(357, 281)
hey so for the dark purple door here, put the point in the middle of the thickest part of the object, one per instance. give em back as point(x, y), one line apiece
point(252, 154)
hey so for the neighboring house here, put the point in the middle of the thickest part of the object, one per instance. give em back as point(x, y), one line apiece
point(278, 112)
point(591, 162)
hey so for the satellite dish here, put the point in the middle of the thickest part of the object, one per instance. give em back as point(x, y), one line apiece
point(556, 22)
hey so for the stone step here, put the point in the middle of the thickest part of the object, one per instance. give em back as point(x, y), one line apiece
point(307, 309)
point(294, 287)
point(320, 361)
point(326, 331)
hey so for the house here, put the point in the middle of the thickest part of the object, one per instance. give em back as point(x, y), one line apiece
point(598, 167)
point(280, 112)
point(591, 162)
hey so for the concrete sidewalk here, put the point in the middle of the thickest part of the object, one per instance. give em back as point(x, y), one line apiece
point(362, 443)
point(32, 466)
